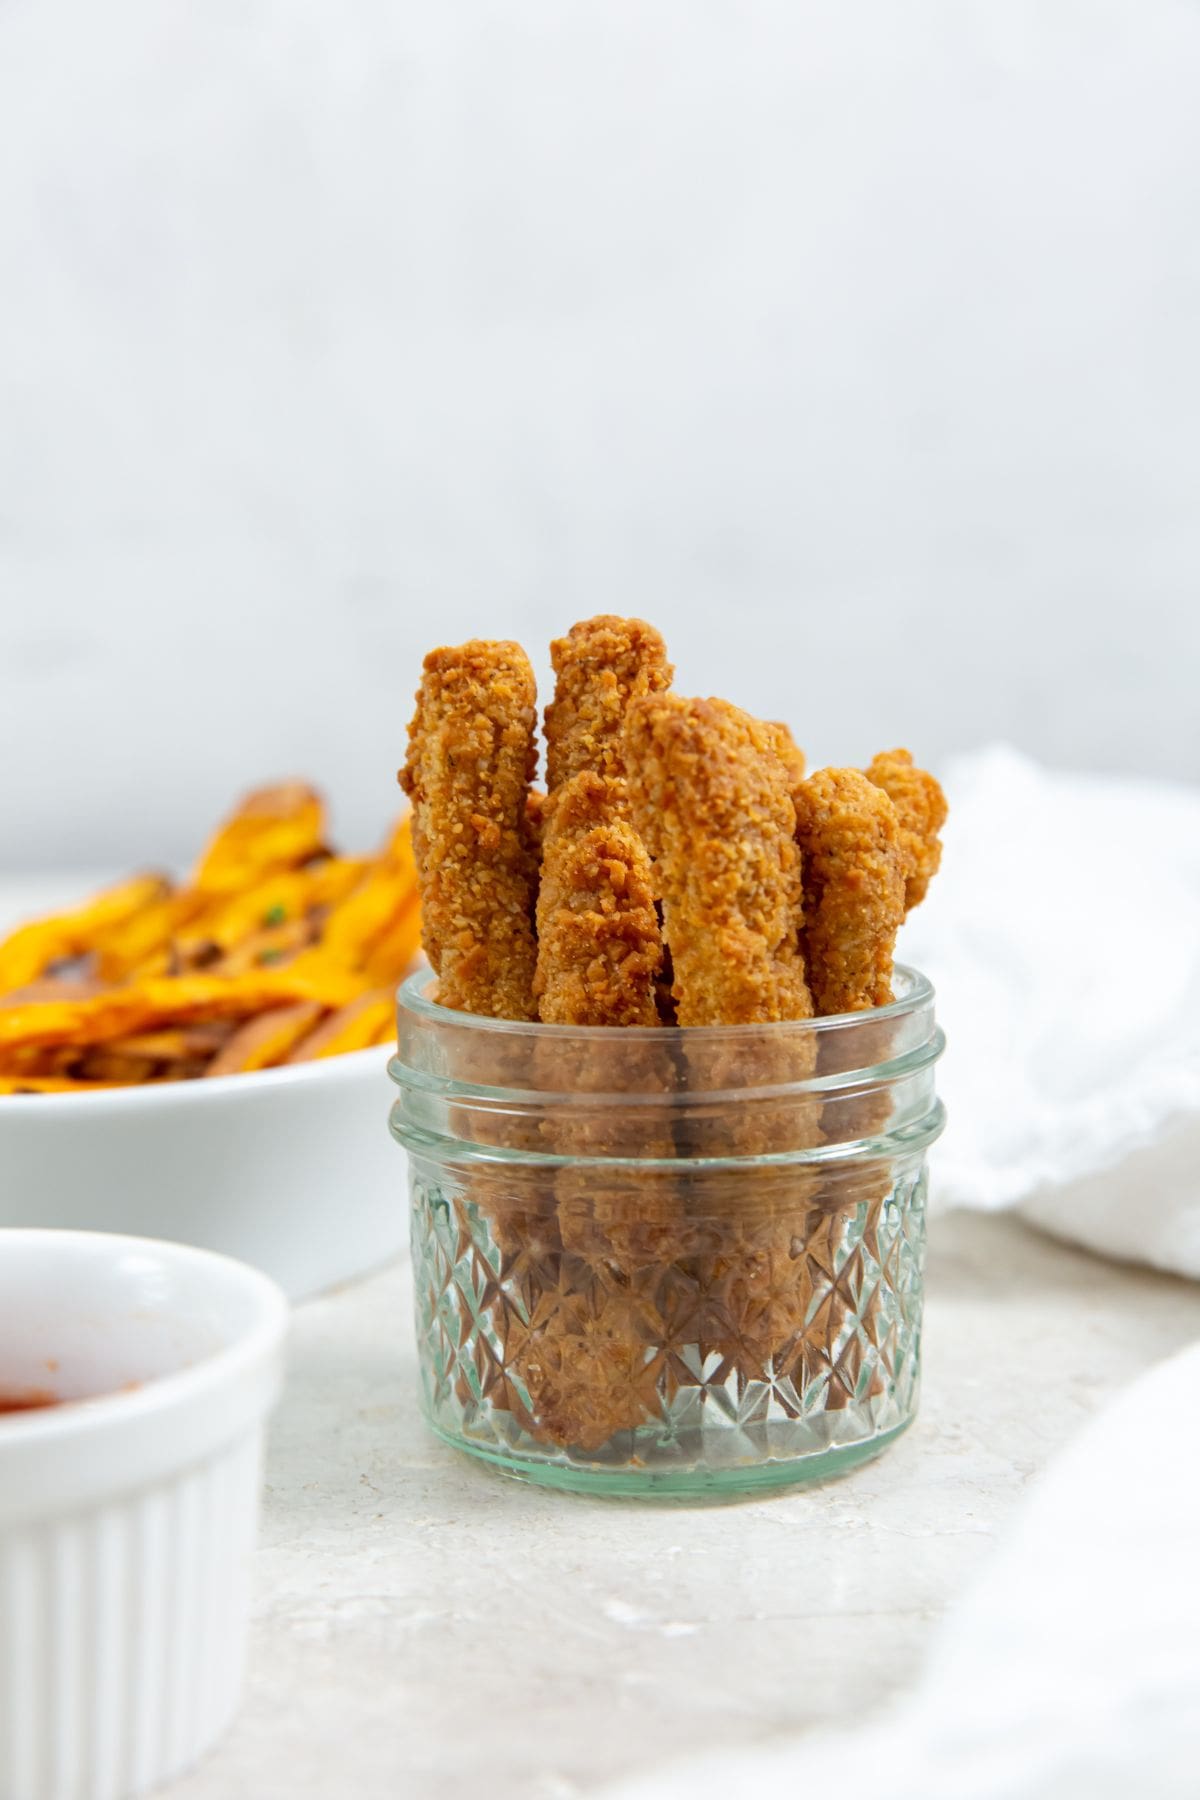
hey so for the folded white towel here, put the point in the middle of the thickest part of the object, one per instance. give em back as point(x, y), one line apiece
point(1063, 936)
point(1069, 1671)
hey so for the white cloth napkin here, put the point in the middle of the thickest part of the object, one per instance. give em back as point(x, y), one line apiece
point(1069, 1671)
point(1063, 937)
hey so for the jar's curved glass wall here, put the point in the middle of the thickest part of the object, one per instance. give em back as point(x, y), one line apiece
point(669, 1261)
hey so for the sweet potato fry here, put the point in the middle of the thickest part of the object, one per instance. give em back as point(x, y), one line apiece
point(103, 1064)
point(280, 898)
point(275, 827)
point(145, 983)
point(397, 847)
point(393, 954)
point(373, 909)
point(263, 1042)
point(30, 950)
point(56, 987)
point(278, 945)
point(182, 1043)
point(57, 1084)
point(145, 937)
point(38, 1059)
point(120, 1012)
point(352, 1027)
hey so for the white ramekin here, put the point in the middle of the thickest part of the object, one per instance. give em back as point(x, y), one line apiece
point(127, 1519)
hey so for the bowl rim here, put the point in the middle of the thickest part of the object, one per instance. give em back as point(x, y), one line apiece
point(76, 1422)
point(213, 1088)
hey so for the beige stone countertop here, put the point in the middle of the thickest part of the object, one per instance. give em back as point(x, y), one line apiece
point(427, 1627)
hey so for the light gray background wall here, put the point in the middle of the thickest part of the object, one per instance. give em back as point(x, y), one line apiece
point(856, 343)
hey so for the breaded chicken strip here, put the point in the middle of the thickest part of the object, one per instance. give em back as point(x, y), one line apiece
point(599, 666)
point(710, 798)
point(854, 865)
point(600, 941)
point(535, 822)
point(600, 951)
point(583, 1363)
point(788, 751)
point(599, 946)
point(599, 963)
point(471, 755)
point(921, 809)
point(710, 792)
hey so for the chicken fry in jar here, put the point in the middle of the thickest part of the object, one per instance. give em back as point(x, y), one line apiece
point(921, 810)
point(471, 757)
point(854, 865)
point(600, 666)
point(710, 798)
point(788, 751)
point(599, 947)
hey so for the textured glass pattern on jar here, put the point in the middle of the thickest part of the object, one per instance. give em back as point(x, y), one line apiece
point(740, 1307)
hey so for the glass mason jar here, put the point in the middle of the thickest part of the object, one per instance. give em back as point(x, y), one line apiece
point(668, 1261)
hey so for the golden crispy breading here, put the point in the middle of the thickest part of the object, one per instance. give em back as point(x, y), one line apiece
point(921, 809)
point(535, 822)
point(599, 666)
point(600, 953)
point(788, 751)
point(599, 948)
point(470, 759)
point(599, 962)
point(710, 794)
point(710, 797)
point(854, 867)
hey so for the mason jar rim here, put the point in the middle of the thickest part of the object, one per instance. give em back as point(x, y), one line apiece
point(412, 997)
point(475, 1086)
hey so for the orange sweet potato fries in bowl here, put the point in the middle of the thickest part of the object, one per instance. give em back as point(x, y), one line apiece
point(276, 950)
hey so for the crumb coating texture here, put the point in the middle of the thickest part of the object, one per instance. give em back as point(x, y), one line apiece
point(710, 798)
point(854, 867)
point(599, 947)
point(921, 809)
point(600, 666)
point(471, 756)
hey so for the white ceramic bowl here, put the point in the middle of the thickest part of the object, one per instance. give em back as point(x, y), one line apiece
point(290, 1169)
point(127, 1519)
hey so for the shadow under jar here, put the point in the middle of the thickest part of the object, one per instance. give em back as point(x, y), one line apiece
point(669, 1261)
